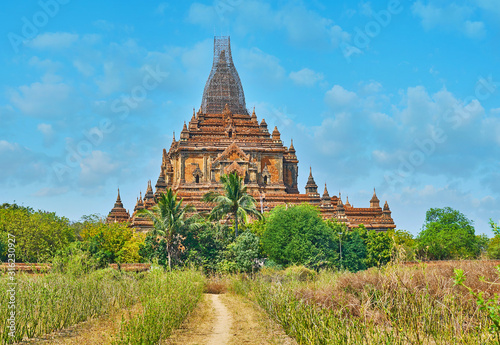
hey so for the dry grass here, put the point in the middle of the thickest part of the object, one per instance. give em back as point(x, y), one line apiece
point(197, 327)
point(97, 331)
point(354, 294)
point(216, 285)
point(394, 305)
point(252, 326)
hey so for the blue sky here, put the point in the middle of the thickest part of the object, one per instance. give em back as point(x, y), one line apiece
point(403, 96)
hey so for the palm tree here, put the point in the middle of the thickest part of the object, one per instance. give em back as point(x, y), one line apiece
point(169, 217)
point(235, 201)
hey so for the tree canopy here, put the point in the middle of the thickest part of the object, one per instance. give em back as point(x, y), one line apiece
point(447, 234)
point(235, 201)
point(39, 234)
point(298, 235)
point(169, 218)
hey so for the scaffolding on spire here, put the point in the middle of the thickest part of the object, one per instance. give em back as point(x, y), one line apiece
point(223, 85)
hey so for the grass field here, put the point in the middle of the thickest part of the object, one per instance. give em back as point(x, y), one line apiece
point(394, 305)
point(397, 304)
point(51, 302)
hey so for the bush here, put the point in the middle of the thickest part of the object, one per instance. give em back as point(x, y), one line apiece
point(298, 235)
point(300, 273)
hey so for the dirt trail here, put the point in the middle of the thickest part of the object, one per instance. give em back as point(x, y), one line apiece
point(223, 321)
point(228, 320)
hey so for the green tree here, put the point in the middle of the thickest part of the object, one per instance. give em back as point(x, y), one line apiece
point(169, 217)
point(39, 235)
point(298, 235)
point(235, 201)
point(404, 244)
point(379, 247)
point(354, 250)
point(447, 234)
point(494, 227)
point(494, 244)
point(242, 254)
point(206, 245)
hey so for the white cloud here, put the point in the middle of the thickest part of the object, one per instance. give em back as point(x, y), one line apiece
point(162, 7)
point(338, 97)
point(48, 133)
point(53, 40)
point(43, 99)
point(371, 87)
point(491, 6)
point(302, 26)
point(365, 8)
point(97, 168)
point(103, 25)
point(449, 17)
point(45, 65)
point(50, 191)
point(202, 14)
point(474, 29)
point(84, 68)
point(306, 77)
point(266, 66)
point(20, 166)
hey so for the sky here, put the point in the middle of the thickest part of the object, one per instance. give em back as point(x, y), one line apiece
point(402, 96)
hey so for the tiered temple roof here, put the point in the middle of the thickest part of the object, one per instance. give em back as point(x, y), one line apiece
point(118, 213)
point(222, 137)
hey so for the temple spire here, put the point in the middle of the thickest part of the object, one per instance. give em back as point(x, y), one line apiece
point(118, 213)
point(311, 186)
point(223, 85)
point(374, 202)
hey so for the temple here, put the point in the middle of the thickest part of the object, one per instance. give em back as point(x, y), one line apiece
point(223, 137)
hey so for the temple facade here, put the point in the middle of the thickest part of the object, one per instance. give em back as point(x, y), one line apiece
point(223, 137)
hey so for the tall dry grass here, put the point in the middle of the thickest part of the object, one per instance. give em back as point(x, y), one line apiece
point(392, 305)
point(167, 299)
point(47, 303)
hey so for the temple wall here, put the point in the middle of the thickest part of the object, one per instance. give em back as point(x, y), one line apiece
point(273, 166)
point(190, 166)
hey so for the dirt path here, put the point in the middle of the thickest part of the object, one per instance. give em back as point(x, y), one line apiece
point(224, 319)
point(221, 331)
point(228, 320)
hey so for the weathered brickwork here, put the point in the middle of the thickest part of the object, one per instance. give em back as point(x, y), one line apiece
point(222, 137)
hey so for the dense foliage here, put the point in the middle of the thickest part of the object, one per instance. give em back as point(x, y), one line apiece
point(170, 218)
point(298, 235)
point(448, 234)
point(285, 236)
point(39, 235)
point(235, 201)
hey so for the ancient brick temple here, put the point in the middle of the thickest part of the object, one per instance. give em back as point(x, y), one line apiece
point(223, 137)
